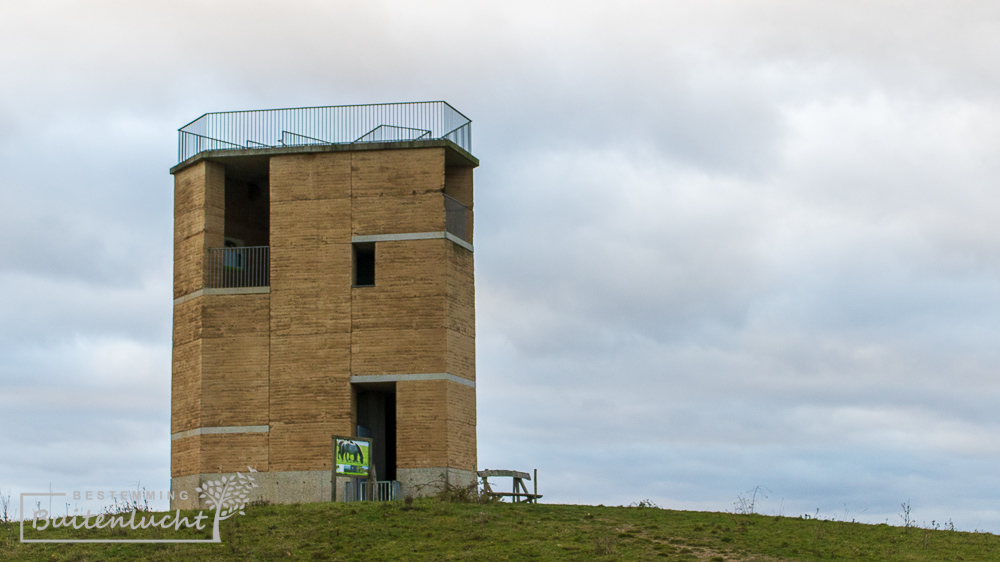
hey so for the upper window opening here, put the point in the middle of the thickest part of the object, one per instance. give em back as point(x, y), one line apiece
point(364, 264)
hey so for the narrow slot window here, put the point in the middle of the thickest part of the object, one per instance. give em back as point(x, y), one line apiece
point(364, 264)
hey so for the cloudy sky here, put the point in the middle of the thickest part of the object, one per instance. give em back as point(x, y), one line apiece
point(719, 245)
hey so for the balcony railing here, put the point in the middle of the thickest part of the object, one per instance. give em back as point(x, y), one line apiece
point(230, 268)
point(342, 124)
point(455, 216)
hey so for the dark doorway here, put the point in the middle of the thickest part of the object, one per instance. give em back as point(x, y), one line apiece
point(376, 419)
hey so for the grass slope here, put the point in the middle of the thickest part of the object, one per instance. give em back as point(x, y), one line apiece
point(431, 529)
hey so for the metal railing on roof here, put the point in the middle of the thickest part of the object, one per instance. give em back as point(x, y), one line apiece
point(341, 124)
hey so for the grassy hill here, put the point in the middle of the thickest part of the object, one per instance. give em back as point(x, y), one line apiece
point(431, 529)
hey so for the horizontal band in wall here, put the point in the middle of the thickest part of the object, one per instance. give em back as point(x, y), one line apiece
point(214, 430)
point(412, 236)
point(415, 377)
point(232, 291)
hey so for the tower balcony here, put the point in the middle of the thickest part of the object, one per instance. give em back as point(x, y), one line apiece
point(232, 268)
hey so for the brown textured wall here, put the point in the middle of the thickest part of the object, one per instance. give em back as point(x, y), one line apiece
point(197, 205)
point(305, 446)
point(232, 452)
point(187, 321)
point(226, 316)
point(403, 268)
point(310, 289)
point(310, 244)
point(185, 389)
point(397, 173)
point(310, 308)
point(385, 351)
point(436, 425)
point(309, 177)
point(461, 358)
point(461, 306)
point(311, 380)
point(234, 381)
point(185, 456)
point(375, 308)
point(220, 366)
point(397, 191)
point(421, 424)
point(461, 408)
point(199, 217)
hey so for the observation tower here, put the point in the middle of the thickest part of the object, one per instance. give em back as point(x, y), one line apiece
point(323, 285)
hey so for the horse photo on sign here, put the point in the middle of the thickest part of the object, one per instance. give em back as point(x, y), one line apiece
point(352, 456)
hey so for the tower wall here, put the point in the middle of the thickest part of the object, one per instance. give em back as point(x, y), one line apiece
point(311, 309)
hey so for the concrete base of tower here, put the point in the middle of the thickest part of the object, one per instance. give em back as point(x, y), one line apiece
point(313, 486)
point(418, 482)
point(275, 487)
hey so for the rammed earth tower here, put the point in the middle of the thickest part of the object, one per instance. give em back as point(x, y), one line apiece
point(323, 285)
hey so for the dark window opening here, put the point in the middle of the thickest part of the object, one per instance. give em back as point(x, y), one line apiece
point(247, 203)
point(364, 264)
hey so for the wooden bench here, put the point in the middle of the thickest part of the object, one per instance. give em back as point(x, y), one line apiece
point(519, 491)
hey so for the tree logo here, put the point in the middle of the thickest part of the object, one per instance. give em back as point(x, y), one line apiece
point(228, 496)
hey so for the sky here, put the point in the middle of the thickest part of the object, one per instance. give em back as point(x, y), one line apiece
point(720, 246)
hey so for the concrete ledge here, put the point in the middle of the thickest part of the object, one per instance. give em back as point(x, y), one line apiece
point(414, 377)
point(455, 154)
point(228, 429)
point(231, 291)
point(458, 241)
point(412, 236)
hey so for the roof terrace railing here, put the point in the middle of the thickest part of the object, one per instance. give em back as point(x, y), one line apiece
point(341, 124)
